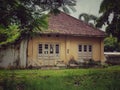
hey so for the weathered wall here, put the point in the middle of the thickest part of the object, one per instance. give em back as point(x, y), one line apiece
point(13, 56)
point(18, 56)
point(33, 58)
point(97, 49)
point(23, 53)
point(68, 47)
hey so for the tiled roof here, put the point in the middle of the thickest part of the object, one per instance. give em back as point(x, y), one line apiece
point(68, 25)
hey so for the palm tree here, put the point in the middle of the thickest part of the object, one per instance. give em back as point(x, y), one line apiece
point(89, 19)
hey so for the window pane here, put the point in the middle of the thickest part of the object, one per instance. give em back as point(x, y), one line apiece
point(90, 48)
point(51, 48)
point(57, 49)
point(85, 48)
point(40, 48)
point(46, 46)
point(45, 52)
point(80, 48)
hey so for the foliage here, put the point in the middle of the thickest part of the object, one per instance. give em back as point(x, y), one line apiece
point(9, 35)
point(89, 19)
point(25, 12)
point(107, 8)
point(27, 15)
point(110, 44)
point(73, 79)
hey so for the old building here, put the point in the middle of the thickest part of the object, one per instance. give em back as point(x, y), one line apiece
point(66, 38)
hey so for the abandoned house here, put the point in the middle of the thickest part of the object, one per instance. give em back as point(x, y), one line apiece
point(66, 38)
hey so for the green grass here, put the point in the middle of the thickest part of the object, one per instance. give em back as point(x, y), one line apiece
point(67, 79)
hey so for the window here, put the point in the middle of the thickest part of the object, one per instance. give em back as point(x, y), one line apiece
point(48, 50)
point(46, 46)
point(57, 49)
point(40, 48)
point(84, 51)
point(90, 48)
point(57, 35)
point(49, 35)
point(51, 49)
point(85, 48)
point(80, 48)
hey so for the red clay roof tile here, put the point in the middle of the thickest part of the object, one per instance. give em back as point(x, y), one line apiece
point(68, 25)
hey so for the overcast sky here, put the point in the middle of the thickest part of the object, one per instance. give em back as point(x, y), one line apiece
point(87, 6)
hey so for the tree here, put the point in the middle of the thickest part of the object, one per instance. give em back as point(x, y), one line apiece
point(89, 19)
point(24, 12)
point(110, 44)
point(27, 14)
point(107, 8)
point(9, 35)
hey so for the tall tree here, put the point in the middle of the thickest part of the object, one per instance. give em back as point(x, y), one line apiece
point(24, 12)
point(89, 19)
point(107, 8)
point(27, 14)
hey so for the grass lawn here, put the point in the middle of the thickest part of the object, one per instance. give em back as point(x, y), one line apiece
point(67, 79)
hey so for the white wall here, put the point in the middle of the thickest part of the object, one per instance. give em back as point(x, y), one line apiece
point(14, 55)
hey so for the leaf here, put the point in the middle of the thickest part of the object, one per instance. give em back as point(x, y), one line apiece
point(65, 9)
point(11, 34)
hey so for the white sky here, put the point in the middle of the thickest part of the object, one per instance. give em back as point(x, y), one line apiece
point(87, 6)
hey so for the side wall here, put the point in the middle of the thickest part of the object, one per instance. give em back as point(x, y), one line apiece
point(97, 47)
point(14, 56)
point(68, 47)
point(33, 58)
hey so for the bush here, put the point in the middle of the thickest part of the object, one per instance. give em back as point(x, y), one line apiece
point(93, 63)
